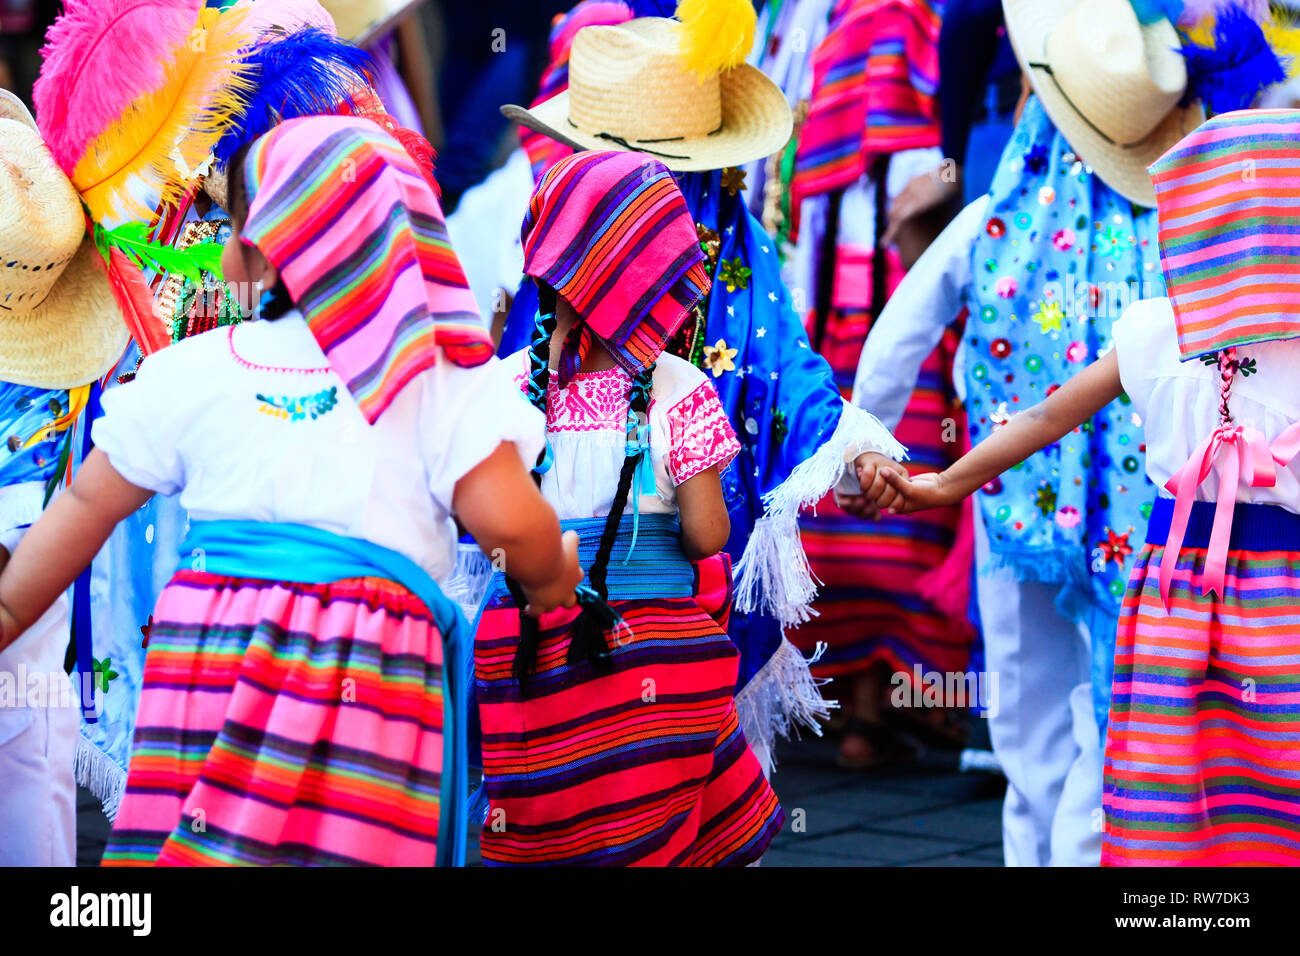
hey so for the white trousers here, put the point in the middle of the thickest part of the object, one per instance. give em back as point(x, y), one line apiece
point(1044, 732)
point(38, 744)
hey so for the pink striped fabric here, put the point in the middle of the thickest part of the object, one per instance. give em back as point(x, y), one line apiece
point(1228, 200)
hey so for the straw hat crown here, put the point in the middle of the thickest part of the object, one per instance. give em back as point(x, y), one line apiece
point(42, 226)
point(1111, 84)
point(630, 88)
point(1144, 75)
point(633, 85)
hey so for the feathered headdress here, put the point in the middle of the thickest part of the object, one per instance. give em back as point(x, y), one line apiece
point(133, 129)
point(1235, 49)
point(306, 73)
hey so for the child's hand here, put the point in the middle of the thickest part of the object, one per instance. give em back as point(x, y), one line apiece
point(560, 591)
point(919, 492)
point(877, 493)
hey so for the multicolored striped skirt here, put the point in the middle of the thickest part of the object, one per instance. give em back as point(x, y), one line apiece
point(285, 724)
point(1203, 748)
point(644, 764)
point(875, 605)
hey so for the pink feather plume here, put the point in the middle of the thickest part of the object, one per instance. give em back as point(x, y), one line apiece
point(99, 56)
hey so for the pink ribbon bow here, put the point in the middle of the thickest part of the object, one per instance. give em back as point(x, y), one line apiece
point(1250, 458)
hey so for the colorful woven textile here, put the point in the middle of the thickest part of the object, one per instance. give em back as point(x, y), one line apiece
point(611, 234)
point(359, 238)
point(1204, 734)
point(300, 723)
point(875, 83)
point(645, 764)
point(1229, 203)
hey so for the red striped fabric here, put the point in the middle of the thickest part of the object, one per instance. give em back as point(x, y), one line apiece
point(645, 765)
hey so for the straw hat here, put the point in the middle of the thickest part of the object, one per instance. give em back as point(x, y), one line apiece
point(628, 89)
point(1111, 85)
point(362, 20)
point(59, 323)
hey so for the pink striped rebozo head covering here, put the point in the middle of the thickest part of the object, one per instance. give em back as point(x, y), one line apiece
point(1228, 200)
point(611, 234)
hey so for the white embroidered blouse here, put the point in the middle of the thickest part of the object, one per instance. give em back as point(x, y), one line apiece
point(587, 429)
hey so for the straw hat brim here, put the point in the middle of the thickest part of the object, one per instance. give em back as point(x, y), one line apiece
point(360, 21)
point(1123, 169)
point(11, 107)
point(73, 337)
point(756, 122)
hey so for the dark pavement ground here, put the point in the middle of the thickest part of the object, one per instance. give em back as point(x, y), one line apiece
point(924, 814)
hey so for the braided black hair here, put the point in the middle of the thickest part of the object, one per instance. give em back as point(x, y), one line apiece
point(594, 618)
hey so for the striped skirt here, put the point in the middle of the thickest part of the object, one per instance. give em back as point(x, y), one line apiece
point(285, 724)
point(1203, 748)
point(643, 765)
point(874, 605)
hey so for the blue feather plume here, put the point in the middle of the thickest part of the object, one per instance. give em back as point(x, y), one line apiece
point(653, 8)
point(305, 73)
point(1153, 11)
point(1230, 75)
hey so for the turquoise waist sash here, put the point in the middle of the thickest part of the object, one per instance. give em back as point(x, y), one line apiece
point(267, 551)
point(656, 567)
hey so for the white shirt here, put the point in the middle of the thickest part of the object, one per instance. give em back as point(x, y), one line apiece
point(925, 303)
point(248, 422)
point(1178, 402)
point(587, 429)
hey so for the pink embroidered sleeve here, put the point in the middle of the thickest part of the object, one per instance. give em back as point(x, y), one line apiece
point(701, 435)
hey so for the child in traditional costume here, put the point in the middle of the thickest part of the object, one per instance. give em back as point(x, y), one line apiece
point(149, 146)
point(1201, 766)
point(59, 330)
point(617, 742)
point(679, 92)
point(304, 669)
point(1042, 267)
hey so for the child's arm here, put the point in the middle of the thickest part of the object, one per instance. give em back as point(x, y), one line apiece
point(1032, 430)
point(705, 525)
point(500, 505)
point(63, 542)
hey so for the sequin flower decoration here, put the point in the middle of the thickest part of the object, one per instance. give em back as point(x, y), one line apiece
point(718, 358)
point(1049, 317)
point(1115, 548)
point(734, 273)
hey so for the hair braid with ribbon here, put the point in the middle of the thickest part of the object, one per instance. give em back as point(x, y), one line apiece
point(1228, 365)
point(595, 616)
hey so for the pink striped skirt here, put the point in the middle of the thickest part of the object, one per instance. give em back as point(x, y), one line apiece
point(285, 724)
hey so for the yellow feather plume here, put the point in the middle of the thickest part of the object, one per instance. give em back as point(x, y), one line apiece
point(1283, 33)
point(161, 144)
point(717, 35)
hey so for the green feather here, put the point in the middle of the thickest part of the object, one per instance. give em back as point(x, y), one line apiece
point(132, 239)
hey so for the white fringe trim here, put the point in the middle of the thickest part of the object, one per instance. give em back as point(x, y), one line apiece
point(100, 774)
point(779, 698)
point(773, 575)
point(469, 579)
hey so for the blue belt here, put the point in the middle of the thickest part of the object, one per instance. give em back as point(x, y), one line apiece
point(656, 568)
point(266, 551)
point(1255, 527)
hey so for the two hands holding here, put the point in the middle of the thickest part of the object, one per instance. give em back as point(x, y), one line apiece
point(888, 489)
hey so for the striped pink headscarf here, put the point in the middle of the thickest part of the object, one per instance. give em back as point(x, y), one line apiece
point(1228, 200)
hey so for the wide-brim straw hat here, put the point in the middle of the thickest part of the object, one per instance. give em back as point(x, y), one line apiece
point(1111, 85)
point(629, 90)
point(60, 326)
point(362, 20)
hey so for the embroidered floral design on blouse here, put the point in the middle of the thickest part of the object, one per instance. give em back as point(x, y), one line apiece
point(300, 408)
point(592, 401)
point(699, 434)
